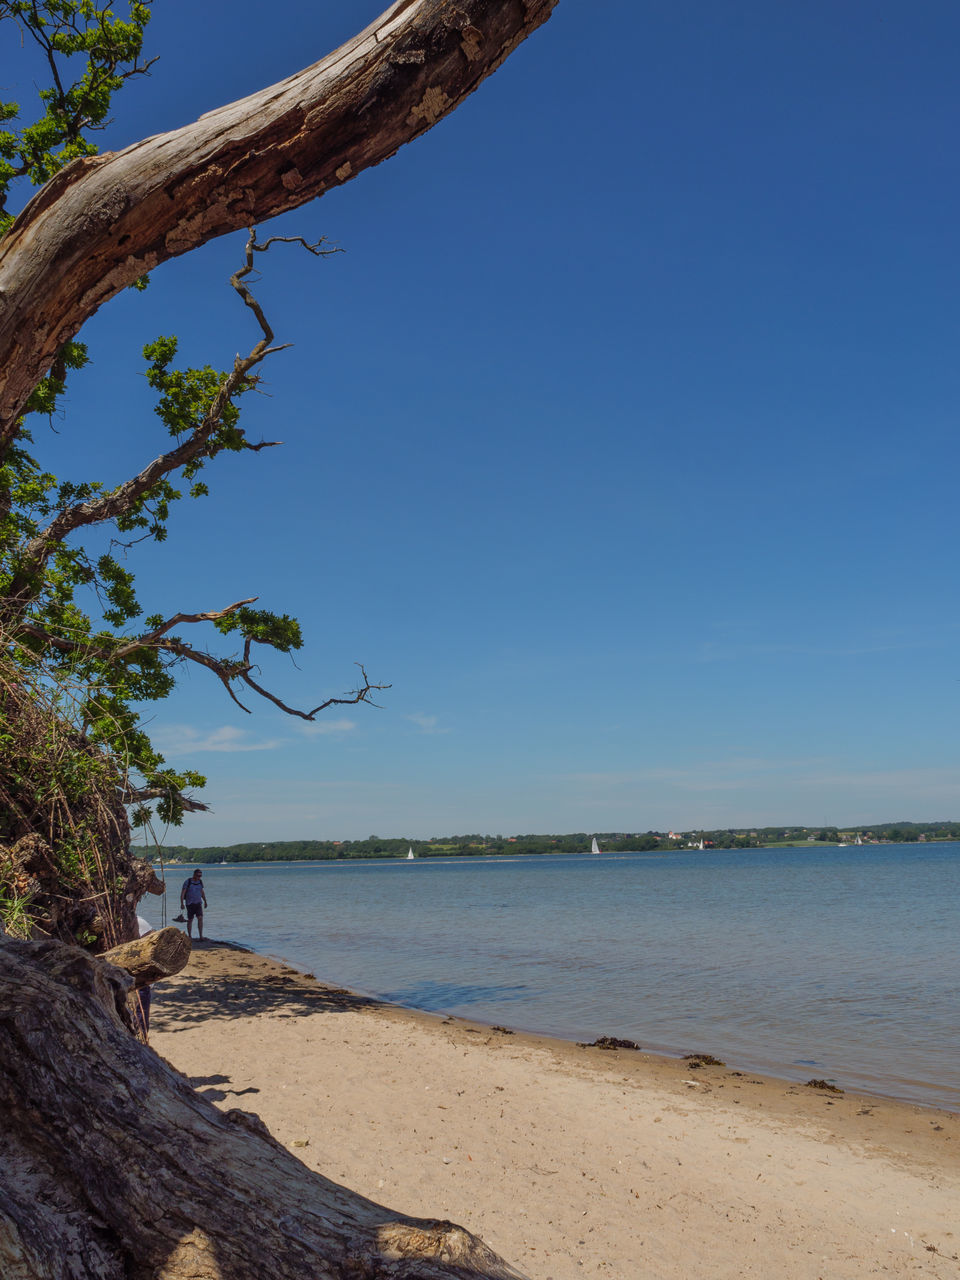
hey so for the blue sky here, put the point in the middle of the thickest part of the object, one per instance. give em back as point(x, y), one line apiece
point(620, 439)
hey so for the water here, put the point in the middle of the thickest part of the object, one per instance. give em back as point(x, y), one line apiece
point(826, 962)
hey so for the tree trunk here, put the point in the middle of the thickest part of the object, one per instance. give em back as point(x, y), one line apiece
point(152, 957)
point(102, 222)
point(113, 1168)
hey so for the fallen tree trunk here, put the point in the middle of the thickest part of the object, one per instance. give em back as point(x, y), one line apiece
point(155, 956)
point(113, 1168)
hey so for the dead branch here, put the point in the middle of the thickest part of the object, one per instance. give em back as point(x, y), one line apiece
point(239, 276)
point(225, 669)
point(348, 700)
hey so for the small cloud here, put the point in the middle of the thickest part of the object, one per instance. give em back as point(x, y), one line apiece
point(183, 739)
point(426, 724)
point(313, 727)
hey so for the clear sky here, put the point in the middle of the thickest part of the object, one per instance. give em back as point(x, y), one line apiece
point(621, 439)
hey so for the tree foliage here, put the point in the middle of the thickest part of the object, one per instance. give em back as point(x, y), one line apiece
point(73, 630)
point(76, 639)
point(89, 54)
point(74, 618)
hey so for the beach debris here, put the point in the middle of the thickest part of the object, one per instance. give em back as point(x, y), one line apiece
point(157, 955)
point(824, 1084)
point(300, 1142)
point(694, 1060)
point(608, 1042)
point(504, 1031)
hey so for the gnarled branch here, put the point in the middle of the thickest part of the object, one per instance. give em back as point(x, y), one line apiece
point(225, 669)
point(102, 222)
point(348, 700)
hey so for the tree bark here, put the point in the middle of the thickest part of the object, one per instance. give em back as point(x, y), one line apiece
point(102, 222)
point(113, 1168)
point(152, 957)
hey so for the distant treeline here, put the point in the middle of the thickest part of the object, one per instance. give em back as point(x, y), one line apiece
point(576, 842)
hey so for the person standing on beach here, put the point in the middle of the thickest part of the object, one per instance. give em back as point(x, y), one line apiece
point(194, 899)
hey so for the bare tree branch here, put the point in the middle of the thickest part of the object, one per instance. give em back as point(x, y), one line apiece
point(225, 669)
point(350, 699)
point(238, 278)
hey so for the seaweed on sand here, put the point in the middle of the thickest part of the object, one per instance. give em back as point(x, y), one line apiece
point(608, 1042)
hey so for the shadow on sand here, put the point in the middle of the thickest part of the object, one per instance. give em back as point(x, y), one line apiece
point(210, 997)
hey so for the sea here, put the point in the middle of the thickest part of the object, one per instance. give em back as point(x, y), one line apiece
point(815, 962)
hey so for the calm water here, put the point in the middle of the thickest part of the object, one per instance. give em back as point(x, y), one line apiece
point(841, 963)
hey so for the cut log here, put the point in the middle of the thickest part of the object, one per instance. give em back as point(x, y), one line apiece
point(155, 956)
point(113, 1168)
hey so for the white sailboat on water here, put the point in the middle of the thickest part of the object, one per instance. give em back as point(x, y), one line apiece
point(594, 847)
point(410, 854)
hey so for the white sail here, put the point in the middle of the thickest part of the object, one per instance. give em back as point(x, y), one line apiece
point(410, 853)
point(594, 848)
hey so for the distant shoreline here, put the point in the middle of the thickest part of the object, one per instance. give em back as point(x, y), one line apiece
point(230, 855)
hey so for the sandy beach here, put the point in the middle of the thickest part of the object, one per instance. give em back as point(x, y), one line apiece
point(567, 1160)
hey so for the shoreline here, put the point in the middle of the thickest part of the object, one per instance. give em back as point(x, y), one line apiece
point(658, 1052)
point(565, 1158)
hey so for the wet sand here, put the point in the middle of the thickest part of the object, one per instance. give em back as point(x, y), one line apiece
point(566, 1160)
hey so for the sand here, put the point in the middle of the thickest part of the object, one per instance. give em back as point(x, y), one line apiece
point(569, 1161)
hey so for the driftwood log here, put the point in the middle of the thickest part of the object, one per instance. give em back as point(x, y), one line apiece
point(113, 1168)
point(152, 957)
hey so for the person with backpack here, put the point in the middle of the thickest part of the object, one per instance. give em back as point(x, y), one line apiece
point(194, 899)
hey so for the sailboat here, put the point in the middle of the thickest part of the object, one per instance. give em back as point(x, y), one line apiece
point(594, 847)
point(410, 853)
point(700, 845)
point(858, 840)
